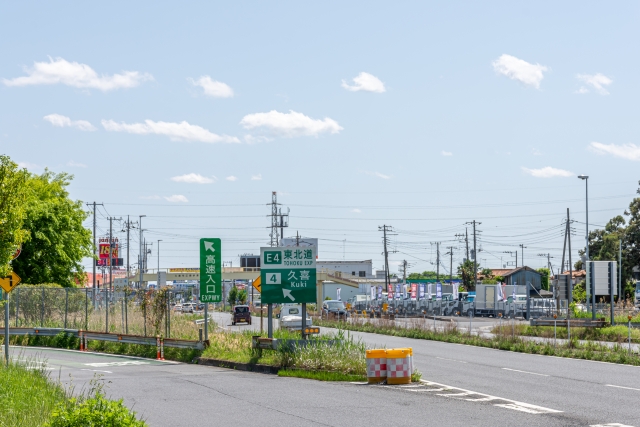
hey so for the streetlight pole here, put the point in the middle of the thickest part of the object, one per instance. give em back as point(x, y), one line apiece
point(159, 257)
point(586, 238)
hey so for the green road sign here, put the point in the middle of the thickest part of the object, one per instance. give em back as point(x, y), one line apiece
point(288, 275)
point(210, 270)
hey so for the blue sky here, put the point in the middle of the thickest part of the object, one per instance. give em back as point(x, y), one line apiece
point(418, 115)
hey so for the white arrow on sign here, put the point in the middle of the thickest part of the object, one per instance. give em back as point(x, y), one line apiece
point(287, 293)
point(208, 246)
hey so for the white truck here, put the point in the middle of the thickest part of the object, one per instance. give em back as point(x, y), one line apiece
point(291, 317)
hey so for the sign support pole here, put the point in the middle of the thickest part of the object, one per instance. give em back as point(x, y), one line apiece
point(304, 320)
point(206, 321)
point(270, 320)
point(6, 327)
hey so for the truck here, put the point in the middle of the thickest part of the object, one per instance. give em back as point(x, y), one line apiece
point(291, 317)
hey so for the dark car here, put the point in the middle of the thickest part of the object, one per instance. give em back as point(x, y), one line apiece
point(241, 313)
point(334, 308)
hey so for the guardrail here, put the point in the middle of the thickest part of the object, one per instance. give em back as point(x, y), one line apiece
point(577, 323)
point(103, 336)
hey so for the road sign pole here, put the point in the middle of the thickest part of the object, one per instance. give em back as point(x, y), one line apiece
point(206, 321)
point(270, 320)
point(304, 320)
point(6, 327)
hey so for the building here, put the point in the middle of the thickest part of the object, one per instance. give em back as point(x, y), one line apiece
point(521, 276)
point(349, 269)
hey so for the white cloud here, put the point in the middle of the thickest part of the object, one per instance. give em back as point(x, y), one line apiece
point(63, 121)
point(547, 172)
point(28, 165)
point(250, 139)
point(151, 197)
point(182, 131)
point(520, 70)
point(213, 88)
point(356, 210)
point(446, 153)
point(60, 71)
point(365, 81)
point(290, 124)
point(596, 81)
point(231, 178)
point(256, 177)
point(193, 178)
point(625, 151)
point(377, 174)
point(76, 164)
point(176, 198)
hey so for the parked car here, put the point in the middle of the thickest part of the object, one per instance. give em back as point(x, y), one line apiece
point(241, 313)
point(333, 308)
point(177, 307)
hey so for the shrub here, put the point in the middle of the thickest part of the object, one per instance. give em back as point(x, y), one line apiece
point(94, 411)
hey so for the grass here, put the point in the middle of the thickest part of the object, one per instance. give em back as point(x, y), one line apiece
point(618, 334)
point(502, 341)
point(346, 356)
point(320, 376)
point(27, 395)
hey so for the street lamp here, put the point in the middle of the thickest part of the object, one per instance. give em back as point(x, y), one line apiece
point(586, 239)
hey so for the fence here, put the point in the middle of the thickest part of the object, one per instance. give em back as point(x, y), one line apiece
point(138, 312)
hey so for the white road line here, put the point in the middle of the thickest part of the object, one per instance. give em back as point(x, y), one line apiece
point(619, 386)
point(451, 360)
point(525, 372)
point(105, 364)
point(610, 425)
point(96, 370)
point(513, 404)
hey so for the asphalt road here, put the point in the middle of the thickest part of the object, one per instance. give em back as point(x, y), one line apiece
point(594, 392)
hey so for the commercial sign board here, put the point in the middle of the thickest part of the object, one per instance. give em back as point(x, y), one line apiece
point(210, 270)
point(288, 274)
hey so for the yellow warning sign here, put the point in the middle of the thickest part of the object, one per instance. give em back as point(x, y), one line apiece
point(9, 282)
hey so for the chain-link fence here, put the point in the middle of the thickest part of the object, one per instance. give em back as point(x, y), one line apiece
point(129, 311)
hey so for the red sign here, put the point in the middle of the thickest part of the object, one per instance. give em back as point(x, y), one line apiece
point(414, 290)
point(390, 291)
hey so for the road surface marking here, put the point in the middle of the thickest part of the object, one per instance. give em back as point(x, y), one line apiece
point(525, 372)
point(96, 370)
point(619, 386)
point(610, 425)
point(508, 403)
point(452, 360)
point(105, 364)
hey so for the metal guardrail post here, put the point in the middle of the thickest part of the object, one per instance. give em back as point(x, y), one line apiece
point(66, 306)
point(42, 311)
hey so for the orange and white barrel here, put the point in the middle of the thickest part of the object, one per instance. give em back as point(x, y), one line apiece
point(398, 366)
point(376, 365)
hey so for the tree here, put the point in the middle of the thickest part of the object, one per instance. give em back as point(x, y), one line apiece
point(57, 240)
point(425, 275)
point(232, 298)
point(242, 296)
point(465, 271)
point(544, 280)
point(13, 205)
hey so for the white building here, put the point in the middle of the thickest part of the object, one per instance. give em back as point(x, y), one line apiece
point(349, 269)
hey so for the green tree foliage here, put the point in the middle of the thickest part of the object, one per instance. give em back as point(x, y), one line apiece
point(242, 296)
point(13, 205)
point(57, 240)
point(465, 271)
point(544, 280)
point(425, 275)
point(232, 298)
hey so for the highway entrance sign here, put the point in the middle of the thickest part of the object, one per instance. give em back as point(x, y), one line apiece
point(288, 274)
point(10, 282)
point(210, 270)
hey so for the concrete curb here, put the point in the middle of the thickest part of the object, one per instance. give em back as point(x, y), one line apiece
point(249, 367)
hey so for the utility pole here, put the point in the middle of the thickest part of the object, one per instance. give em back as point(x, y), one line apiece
point(466, 239)
point(523, 247)
point(450, 253)
point(475, 253)
point(437, 260)
point(385, 229)
point(140, 252)
point(93, 291)
point(274, 220)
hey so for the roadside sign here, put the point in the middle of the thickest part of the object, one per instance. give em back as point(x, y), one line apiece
point(9, 282)
point(17, 253)
point(288, 275)
point(257, 283)
point(210, 270)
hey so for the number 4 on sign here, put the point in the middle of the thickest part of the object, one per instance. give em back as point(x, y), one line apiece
point(274, 278)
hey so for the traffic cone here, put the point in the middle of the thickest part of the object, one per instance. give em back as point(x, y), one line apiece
point(161, 348)
point(158, 347)
point(81, 340)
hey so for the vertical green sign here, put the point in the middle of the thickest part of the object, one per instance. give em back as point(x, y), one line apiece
point(210, 270)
